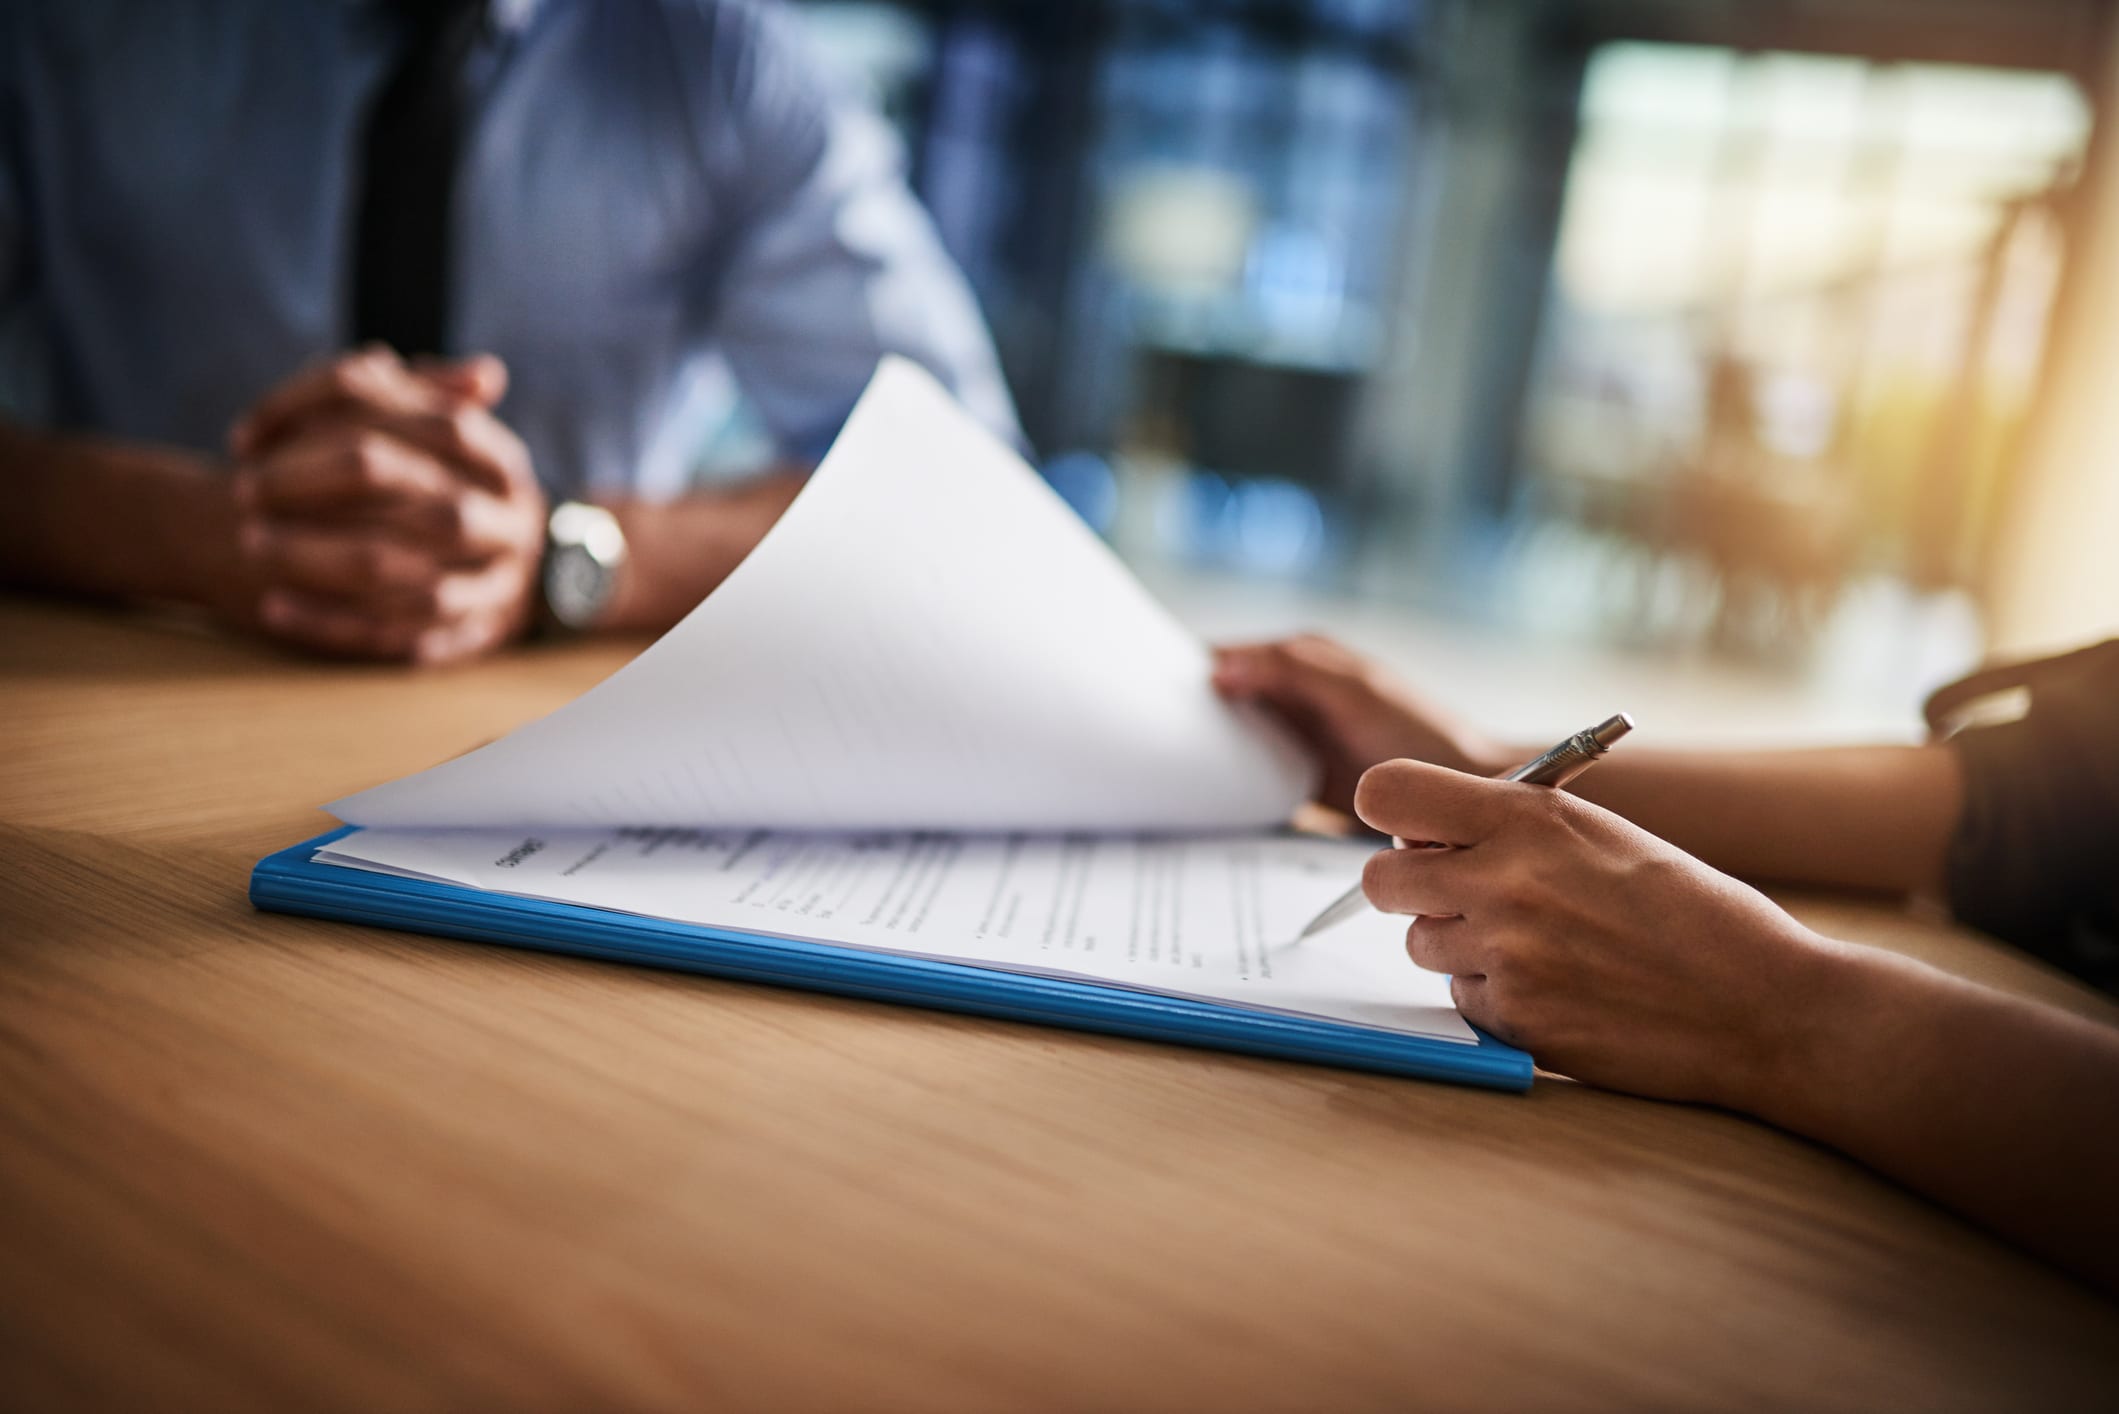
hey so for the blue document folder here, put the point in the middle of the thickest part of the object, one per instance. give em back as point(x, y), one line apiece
point(292, 882)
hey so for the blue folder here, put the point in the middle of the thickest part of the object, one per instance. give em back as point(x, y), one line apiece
point(292, 882)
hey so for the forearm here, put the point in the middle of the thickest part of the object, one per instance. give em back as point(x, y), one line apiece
point(111, 518)
point(1999, 1108)
point(1865, 817)
point(678, 551)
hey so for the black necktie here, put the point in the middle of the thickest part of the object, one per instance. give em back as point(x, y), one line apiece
point(408, 170)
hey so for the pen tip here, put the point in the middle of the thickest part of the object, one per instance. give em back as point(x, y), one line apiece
point(1611, 729)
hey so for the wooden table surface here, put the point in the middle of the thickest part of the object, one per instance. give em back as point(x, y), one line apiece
point(251, 1161)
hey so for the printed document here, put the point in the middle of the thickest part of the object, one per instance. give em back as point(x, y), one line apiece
point(1197, 916)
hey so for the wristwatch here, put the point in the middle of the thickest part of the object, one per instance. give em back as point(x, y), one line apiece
point(584, 553)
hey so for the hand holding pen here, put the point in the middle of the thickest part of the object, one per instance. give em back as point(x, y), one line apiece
point(1555, 768)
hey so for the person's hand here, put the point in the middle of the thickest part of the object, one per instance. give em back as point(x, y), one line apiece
point(1608, 954)
point(385, 512)
point(1348, 712)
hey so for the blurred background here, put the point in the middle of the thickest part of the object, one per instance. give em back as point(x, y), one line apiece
point(1725, 345)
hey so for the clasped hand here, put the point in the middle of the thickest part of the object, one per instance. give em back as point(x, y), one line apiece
point(384, 511)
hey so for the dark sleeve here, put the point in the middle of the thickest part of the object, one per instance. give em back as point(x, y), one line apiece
point(15, 272)
point(14, 202)
point(2036, 856)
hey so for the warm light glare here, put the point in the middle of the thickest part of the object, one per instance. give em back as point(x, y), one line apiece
point(1699, 168)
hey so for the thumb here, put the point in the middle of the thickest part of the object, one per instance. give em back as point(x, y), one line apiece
point(481, 377)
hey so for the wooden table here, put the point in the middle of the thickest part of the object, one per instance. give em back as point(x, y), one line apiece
point(252, 1161)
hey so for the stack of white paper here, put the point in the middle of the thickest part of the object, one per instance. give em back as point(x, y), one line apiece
point(929, 639)
point(931, 713)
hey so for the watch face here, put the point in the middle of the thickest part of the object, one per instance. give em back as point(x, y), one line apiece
point(575, 585)
point(584, 552)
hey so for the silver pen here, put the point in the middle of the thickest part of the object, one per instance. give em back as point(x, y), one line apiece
point(1555, 768)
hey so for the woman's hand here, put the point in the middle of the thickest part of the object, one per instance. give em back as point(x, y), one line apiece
point(1608, 954)
point(1347, 711)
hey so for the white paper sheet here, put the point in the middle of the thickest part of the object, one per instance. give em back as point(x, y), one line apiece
point(1212, 916)
point(929, 639)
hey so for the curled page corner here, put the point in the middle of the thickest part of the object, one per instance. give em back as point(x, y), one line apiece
point(928, 639)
